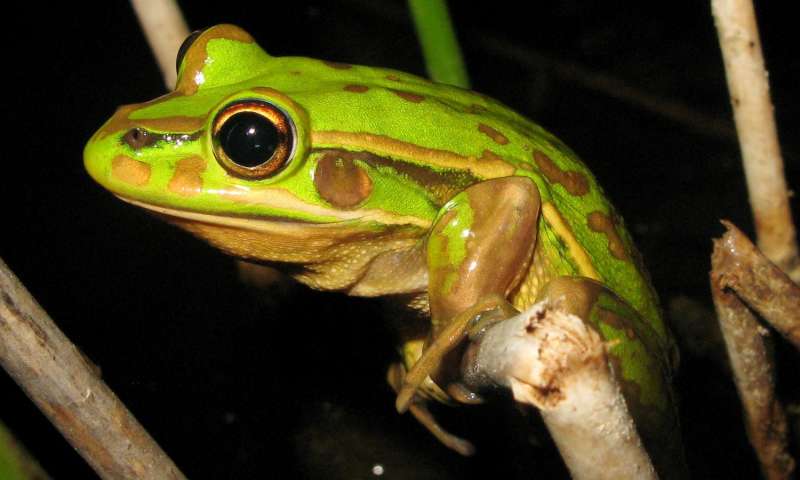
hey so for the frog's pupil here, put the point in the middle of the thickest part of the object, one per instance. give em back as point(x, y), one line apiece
point(248, 139)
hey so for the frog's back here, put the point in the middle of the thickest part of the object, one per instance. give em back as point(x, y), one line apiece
point(460, 137)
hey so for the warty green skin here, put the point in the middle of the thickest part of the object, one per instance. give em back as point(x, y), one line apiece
point(371, 105)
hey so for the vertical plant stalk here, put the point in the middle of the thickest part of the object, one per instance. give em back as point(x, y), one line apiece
point(554, 361)
point(755, 125)
point(437, 37)
point(165, 28)
point(56, 376)
point(737, 263)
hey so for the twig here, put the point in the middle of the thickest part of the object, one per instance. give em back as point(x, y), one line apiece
point(554, 361)
point(746, 342)
point(63, 385)
point(764, 287)
point(165, 29)
point(755, 125)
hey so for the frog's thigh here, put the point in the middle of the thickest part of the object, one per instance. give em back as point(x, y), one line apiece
point(636, 356)
point(478, 250)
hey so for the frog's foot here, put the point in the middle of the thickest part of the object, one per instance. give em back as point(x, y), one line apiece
point(446, 340)
point(419, 409)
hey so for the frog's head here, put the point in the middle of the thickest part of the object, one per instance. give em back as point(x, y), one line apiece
point(234, 156)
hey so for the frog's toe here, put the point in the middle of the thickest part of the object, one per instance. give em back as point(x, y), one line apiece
point(461, 394)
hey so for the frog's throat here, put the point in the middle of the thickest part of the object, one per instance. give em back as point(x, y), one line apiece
point(341, 252)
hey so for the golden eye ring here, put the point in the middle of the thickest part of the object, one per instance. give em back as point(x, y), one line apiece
point(252, 139)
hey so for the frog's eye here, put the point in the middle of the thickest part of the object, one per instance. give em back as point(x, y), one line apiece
point(252, 139)
point(185, 48)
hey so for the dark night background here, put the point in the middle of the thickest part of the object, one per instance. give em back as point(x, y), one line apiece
point(238, 384)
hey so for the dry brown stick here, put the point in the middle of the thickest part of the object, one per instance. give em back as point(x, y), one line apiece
point(63, 385)
point(752, 366)
point(165, 28)
point(555, 362)
point(758, 138)
point(763, 286)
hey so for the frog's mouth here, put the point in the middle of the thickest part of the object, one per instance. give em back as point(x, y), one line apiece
point(318, 217)
point(269, 223)
point(239, 222)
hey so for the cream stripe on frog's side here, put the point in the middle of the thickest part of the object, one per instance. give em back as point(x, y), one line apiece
point(481, 167)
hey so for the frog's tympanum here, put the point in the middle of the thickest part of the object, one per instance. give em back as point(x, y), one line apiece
point(374, 182)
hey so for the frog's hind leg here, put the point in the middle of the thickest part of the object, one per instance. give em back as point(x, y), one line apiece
point(640, 359)
point(478, 250)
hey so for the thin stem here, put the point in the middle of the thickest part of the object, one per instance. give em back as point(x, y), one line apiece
point(763, 286)
point(62, 383)
point(165, 28)
point(758, 138)
point(747, 343)
point(437, 37)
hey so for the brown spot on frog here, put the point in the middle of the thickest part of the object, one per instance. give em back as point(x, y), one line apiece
point(187, 180)
point(408, 96)
point(340, 181)
point(130, 171)
point(356, 88)
point(601, 223)
point(496, 136)
point(575, 183)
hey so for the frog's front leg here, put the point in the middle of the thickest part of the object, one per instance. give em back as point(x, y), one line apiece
point(478, 250)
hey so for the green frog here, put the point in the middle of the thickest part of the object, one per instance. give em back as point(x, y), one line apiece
point(374, 182)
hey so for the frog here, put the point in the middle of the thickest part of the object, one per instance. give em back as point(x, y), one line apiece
point(374, 182)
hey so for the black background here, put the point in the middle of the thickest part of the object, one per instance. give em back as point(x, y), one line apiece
point(238, 384)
